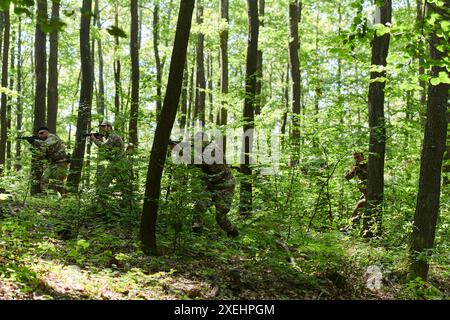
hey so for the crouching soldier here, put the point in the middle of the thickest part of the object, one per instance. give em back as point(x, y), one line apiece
point(218, 184)
point(53, 150)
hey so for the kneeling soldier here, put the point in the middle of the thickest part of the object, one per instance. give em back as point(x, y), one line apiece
point(54, 151)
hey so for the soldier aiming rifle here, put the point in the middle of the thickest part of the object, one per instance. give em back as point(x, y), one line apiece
point(53, 150)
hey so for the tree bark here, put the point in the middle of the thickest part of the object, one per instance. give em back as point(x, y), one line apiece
point(10, 102)
point(259, 65)
point(157, 59)
point(200, 94)
point(134, 53)
point(4, 100)
point(117, 76)
point(294, 63)
point(52, 93)
point(249, 104)
point(84, 110)
point(101, 83)
point(40, 67)
point(164, 127)
point(224, 81)
point(377, 143)
point(427, 207)
point(190, 117)
point(209, 71)
point(184, 98)
point(19, 112)
point(422, 83)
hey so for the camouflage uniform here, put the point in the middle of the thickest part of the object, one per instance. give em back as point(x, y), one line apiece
point(112, 163)
point(55, 173)
point(359, 170)
point(218, 186)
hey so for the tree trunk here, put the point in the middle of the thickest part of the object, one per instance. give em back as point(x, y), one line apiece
point(422, 83)
point(224, 14)
point(427, 207)
point(190, 111)
point(286, 100)
point(117, 79)
point(157, 59)
point(134, 53)
point(249, 104)
point(375, 181)
point(200, 95)
point(40, 67)
point(9, 103)
point(184, 98)
point(101, 83)
point(339, 73)
point(19, 112)
point(3, 120)
point(52, 93)
point(210, 88)
point(294, 63)
point(84, 110)
point(259, 65)
point(164, 127)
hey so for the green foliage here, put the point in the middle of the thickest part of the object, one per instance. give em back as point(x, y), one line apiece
point(116, 32)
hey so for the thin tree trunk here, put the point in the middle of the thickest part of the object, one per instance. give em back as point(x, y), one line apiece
point(375, 181)
point(210, 88)
point(117, 76)
point(249, 104)
point(286, 100)
point(101, 84)
point(134, 53)
point(190, 117)
point(427, 207)
point(224, 14)
point(339, 72)
point(84, 110)
point(3, 120)
point(18, 164)
point(9, 103)
point(259, 66)
point(422, 83)
point(157, 59)
point(52, 93)
point(184, 98)
point(294, 62)
point(164, 127)
point(200, 95)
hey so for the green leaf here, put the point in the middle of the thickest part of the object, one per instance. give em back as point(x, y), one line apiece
point(379, 79)
point(116, 31)
point(435, 81)
point(68, 13)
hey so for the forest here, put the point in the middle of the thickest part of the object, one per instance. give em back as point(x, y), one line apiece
point(224, 150)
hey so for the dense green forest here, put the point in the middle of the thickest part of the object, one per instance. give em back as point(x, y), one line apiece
point(332, 118)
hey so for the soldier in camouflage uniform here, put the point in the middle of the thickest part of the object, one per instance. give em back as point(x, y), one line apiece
point(359, 170)
point(54, 151)
point(112, 163)
point(218, 186)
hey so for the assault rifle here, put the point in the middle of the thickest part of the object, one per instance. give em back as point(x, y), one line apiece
point(97, 135)
point(30, 139)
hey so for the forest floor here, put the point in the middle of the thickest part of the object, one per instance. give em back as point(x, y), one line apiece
point(39, 260)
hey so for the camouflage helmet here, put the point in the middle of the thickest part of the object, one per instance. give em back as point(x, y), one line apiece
point(106, 123)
